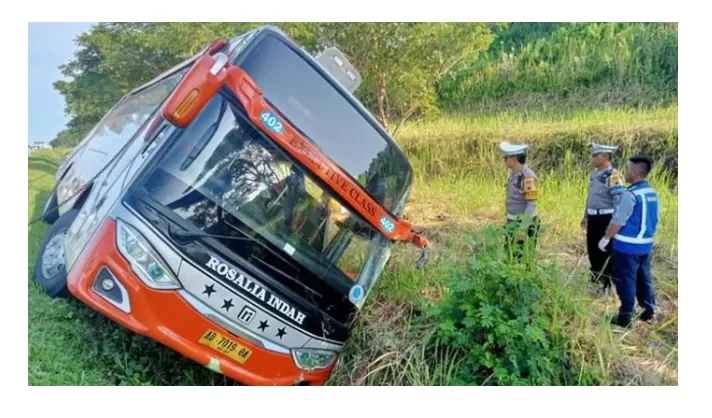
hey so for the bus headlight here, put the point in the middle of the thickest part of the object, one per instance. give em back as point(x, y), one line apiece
point(145, 262)
point(68, 187)
point(309, 359)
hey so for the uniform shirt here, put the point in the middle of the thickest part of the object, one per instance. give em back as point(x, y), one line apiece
point(624, 210)
point(604, 189)
point(522, 191)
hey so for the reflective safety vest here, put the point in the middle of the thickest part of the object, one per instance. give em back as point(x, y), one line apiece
point(636, 236)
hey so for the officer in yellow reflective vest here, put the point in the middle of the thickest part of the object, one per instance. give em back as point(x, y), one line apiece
point(604, 189)
point(522, 192)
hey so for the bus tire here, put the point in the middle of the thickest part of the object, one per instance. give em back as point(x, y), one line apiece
point(51, 213)
point(50, 272)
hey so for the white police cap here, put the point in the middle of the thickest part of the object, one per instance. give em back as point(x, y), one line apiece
point(513, 149)
point(598, 148)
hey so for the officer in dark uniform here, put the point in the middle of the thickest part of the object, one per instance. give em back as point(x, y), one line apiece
point(605, 186)
point(521, 190)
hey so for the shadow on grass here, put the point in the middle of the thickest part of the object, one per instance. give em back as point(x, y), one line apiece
point(43, 164)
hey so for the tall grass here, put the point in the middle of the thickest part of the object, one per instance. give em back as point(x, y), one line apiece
point(561, 204)
point(635, 62)
point(461, 145)
point(459, 169)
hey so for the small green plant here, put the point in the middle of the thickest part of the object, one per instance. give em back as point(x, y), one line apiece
point(507, 318)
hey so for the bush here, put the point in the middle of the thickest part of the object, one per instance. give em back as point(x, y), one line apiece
point(507, 319)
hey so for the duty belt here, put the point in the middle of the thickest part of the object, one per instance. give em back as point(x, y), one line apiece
point(600, 211)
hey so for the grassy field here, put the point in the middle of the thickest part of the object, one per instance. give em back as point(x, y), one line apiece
point(457, 197)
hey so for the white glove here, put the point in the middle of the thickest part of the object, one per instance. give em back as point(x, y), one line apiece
point(603, 243)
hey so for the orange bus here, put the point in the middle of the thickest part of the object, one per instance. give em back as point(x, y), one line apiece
point(238, 209)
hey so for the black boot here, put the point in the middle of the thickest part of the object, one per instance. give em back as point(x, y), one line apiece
point(606, 282)
point(624, 321)
point(647, 316)
point(604, 290)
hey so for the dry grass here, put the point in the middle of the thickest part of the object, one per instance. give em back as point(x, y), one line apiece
point(646, 355)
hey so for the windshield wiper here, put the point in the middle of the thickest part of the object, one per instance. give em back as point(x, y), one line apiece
point(288, 276)
point(189, 235)
point(326, 322)
point(185, 236)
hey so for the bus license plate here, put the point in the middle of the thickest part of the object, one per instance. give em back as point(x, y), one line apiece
point(225, 345)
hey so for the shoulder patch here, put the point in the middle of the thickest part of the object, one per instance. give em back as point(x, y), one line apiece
point(616, 182)
point(615, 179)
point(529, 188)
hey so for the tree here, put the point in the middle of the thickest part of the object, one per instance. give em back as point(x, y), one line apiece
point(400, 63)
point(114, 58)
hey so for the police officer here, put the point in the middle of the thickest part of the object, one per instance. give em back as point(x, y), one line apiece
point(521, 190)
point(604, 189)
point(632, 230)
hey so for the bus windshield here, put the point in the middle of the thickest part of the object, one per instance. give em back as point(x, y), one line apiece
point(222, 174)
point(312, 105)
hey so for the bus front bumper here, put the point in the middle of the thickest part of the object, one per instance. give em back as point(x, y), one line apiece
point(164, 316)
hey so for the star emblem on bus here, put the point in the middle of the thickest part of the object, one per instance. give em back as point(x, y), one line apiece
point(209, 290)
point(281, 332)
point(263, 325)
point(227, 304)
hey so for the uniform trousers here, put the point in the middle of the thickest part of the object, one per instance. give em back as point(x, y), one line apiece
point(518, 247)
point(600, 261)
point(634, 281)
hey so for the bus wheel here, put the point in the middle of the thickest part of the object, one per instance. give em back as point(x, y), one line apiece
point(50, 270)
point(51, 211)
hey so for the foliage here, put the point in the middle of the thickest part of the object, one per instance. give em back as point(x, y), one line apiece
point(569, 59)
point(463, 147)
point(408, 69)
point(507, 318)
point(114, 58)
point(401, 63)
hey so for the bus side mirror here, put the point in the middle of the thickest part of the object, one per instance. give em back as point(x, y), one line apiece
point(340, 68)
point(216, 46)
point(197, 87)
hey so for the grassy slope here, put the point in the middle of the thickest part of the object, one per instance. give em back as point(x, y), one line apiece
point(69, 344)
point(459, 190)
